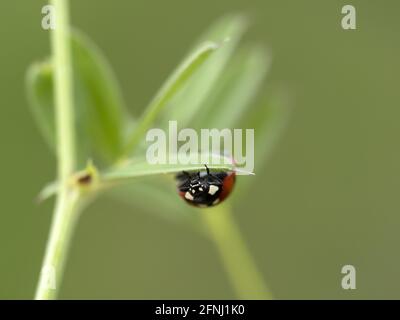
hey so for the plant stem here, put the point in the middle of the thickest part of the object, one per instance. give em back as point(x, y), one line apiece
point(61, 51)
point(237, 261)
point(62, 227)
point(65, 212)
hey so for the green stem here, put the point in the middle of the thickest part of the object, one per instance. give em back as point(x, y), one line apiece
point(61, 51)
point(65, 216)
point(65, 212)
point(237, 260)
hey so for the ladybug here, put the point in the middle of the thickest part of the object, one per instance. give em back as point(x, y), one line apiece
point(205, 189)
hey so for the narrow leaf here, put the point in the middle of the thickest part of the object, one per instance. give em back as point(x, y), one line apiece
point(191, 100)
point(171, 86)
point(231, 98)
point(47, 192)
point(139, 168)
point(100, 107)
point(39, 85)
point(269, 120)
point(163, 195)
point(98, 104)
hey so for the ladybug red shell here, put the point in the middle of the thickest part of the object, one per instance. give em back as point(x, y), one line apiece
point(204, 188)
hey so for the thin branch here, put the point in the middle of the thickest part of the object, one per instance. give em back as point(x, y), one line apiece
point(61, 50)
point(67, 203)
point(64, 219)
point(241, 269)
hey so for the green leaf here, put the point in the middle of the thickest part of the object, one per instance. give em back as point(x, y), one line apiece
point(99, 108)
point(237, 88)
point(39, 86)
point(269, 120)
point(140, 168)
point(48, 191)
point(167, 91)
point(163, 195)
point(133, 169)
point(191, 100)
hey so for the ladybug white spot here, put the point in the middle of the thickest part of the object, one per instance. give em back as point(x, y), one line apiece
point(215, 201)
point(213, 189)
point(201, 189)
point(188, 196)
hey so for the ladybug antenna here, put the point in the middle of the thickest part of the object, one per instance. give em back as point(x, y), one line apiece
point(208, 170)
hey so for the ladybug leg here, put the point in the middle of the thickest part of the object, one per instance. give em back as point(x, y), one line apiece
point(183, 176)
point(184, 181)
point(217, 179)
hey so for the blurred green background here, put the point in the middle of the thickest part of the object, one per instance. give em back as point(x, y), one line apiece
point(327, 197)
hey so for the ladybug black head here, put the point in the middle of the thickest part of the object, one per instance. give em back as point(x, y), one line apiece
point(203, 188)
